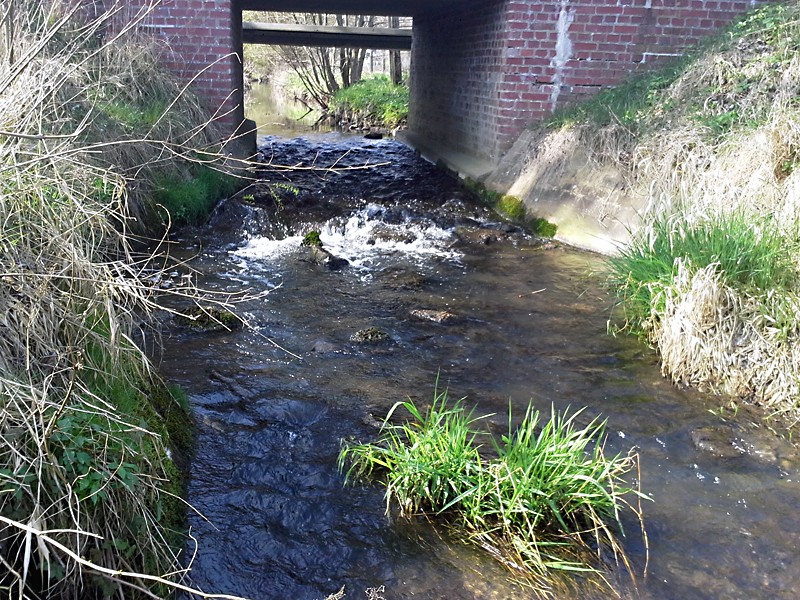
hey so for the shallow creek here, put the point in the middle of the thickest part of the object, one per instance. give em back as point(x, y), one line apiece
point(529, 325)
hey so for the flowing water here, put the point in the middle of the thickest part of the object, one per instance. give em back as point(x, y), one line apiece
point(529, 324)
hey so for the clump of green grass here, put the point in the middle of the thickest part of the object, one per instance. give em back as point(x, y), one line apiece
point(376, 100)
point(752, 253)
point(190, 199)
point(718, 296)
point(548, 490)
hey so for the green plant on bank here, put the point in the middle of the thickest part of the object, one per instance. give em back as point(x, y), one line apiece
point(513, 208)
point(376, 100)
point(752, 253)
point(92, 440)
point(548, 495)
point(626, 104)
point(719, 298)
point(189, 199)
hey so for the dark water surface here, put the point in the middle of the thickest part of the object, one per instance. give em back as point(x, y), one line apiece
point(530, 326)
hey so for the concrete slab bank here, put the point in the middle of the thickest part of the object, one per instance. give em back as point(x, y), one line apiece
point(551, 172)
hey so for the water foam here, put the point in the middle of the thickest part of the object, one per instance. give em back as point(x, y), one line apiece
point(364, 240)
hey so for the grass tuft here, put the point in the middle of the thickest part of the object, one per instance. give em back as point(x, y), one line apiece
point(749, 252)
point(548, 490)
point(375, 101)
point(189, 199)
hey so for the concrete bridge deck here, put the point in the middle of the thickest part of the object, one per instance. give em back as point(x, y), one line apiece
point(292, 34)
point(393, 8)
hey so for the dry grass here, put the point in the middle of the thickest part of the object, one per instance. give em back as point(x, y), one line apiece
point(714, 140)
point(86, 498)
point(713, 335)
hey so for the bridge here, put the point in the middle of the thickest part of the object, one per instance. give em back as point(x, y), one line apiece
point(482, 70)
point(291, 34)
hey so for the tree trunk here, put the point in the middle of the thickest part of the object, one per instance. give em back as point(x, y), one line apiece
point(395, 63)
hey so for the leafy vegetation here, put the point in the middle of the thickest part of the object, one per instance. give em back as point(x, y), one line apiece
point(530, 498)
point(376, 101)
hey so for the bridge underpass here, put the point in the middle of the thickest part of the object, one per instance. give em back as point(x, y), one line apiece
point(481, 70)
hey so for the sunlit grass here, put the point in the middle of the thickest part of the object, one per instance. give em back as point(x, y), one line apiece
point(749, 252)
point(377, 99)
point(538, 497)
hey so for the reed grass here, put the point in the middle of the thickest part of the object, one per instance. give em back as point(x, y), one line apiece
point(536, 499)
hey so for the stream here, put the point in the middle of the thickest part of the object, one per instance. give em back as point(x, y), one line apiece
point(522, 321)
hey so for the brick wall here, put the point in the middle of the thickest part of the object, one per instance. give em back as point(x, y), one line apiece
point(457, 65)
point(562, 51)
point(481, 70)
point(484, 71)
point(200, 39)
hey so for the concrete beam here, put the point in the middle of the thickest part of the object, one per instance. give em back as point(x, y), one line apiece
point(398, 8)
point(291, 34)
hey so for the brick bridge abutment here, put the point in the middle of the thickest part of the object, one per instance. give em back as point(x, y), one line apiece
point(482, 70)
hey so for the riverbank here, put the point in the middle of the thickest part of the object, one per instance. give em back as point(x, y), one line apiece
point(688, 176)
point(92, 438)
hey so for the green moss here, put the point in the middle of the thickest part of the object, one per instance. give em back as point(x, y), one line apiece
point(488, 197)
point(209, 318)
point(312, 239)
point(189, 200)
point(512, 207)
point(544, 227)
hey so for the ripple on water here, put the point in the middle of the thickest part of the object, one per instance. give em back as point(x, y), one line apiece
point(270, 425)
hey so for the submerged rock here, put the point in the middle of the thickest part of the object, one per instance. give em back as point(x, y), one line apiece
point(208, 319)
point(372, 335)
point(391, 235)
point(319, 256)
point(437, 316)
point(716, 440)
point(322, 346)
point(728, 441)
point(399, 279)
